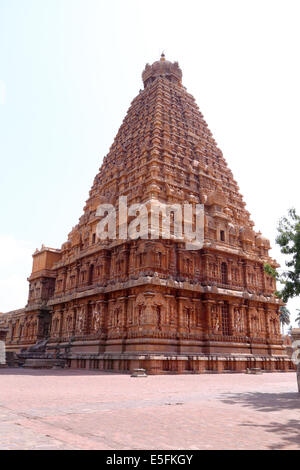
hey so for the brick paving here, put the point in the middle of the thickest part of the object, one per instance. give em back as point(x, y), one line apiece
point(91, 410)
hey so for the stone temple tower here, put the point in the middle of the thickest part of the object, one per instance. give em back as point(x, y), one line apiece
point(152, 303)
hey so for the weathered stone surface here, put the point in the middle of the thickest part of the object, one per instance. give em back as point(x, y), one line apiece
point(125, 304)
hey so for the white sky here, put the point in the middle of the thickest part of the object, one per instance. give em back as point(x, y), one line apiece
point(69, 70)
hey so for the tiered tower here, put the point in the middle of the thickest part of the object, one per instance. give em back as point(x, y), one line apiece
point(120, 304)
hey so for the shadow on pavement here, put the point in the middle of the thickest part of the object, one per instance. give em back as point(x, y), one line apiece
point(267, 402)
point(288, 432)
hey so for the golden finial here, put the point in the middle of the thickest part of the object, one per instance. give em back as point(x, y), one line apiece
point(162, 57)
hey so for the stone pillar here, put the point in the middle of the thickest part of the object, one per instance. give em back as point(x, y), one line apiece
point(170, 317)
point(65, 274)
point(42, 322)
point(219, 326)
point(208, 305)
point(75, 309)
point(21, 330)
point(231, 308)
point(61, 322)
point(248, 319)
point(103, 321)
point(197, 312)
point(90, 317)
point(77, 281)
point(245, 273)
point(268, 333)
point(87, 317)
point(131, 312)
point(110, 316)
point(296, 353)
point(12, 330)
point(261, 316)
point(182, 327)
point(123, 320)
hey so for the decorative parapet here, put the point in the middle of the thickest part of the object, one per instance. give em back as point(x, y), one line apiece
point(296, 352)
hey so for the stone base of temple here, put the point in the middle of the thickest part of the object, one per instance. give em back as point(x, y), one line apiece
point(44, 363)
point(160, 363)
point(215, 357)
point(179, 364)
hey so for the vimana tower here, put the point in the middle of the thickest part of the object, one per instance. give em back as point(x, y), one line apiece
point(152, 303)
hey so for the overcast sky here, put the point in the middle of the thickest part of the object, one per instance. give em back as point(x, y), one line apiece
point(69, 70)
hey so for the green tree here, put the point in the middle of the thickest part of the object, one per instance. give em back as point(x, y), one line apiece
point(284, 316)
point(288, 239)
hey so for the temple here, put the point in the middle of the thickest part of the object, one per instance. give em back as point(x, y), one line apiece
point(151, 303)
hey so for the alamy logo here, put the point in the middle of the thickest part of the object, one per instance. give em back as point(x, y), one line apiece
point(152, 220)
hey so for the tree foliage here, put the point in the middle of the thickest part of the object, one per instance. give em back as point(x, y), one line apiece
point(284, 316)
point(288, 239)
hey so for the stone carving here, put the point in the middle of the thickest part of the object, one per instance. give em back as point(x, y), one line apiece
point(238, 320)
point(40, 346)
point(215, 320)
point(96, 320)
point(69, 322)
point(80, 321)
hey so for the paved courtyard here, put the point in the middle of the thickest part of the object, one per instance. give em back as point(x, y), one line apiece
point(92, 410)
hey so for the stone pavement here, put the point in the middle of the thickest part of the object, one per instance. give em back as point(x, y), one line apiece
point(92, 410)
